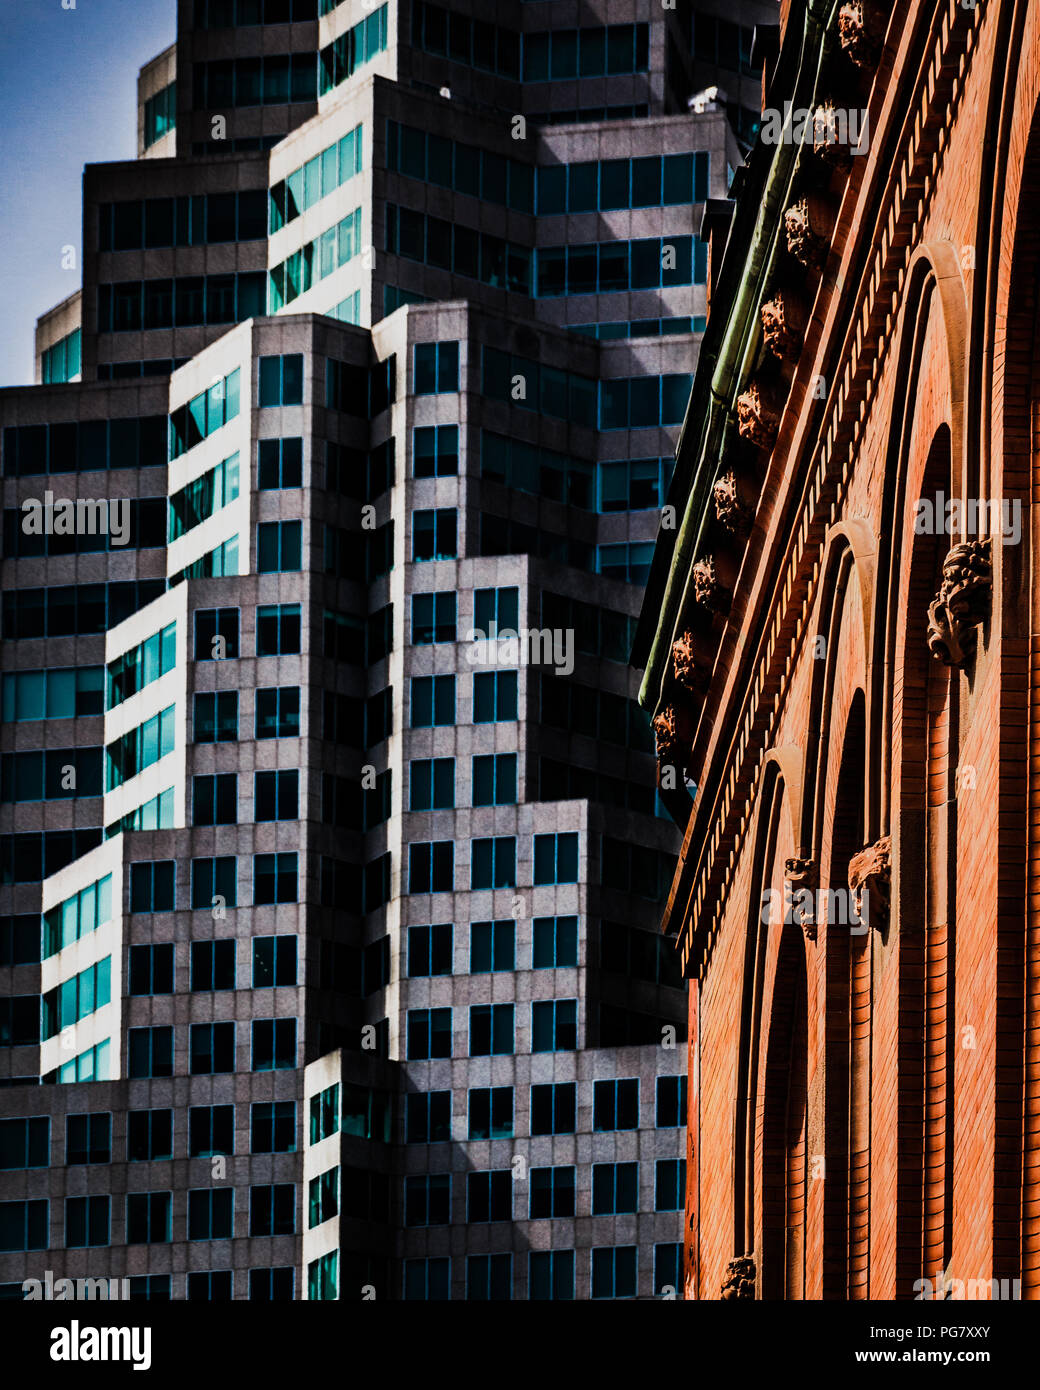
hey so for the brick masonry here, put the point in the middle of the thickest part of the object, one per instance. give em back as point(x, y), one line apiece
point(865, 1107)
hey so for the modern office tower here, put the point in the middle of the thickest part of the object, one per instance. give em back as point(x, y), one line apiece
point(331, 853)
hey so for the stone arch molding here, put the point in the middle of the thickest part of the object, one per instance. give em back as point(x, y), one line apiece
point(849, 566)
point(934, 286)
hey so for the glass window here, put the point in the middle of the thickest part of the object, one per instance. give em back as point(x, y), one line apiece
point(427, 1117)
point(556, 858)
point(613, 266)
point(551, 1274)
point(554, 1025)
point(434, 534)
point(555, 942)
point(675, 395)
point(212, 965)
point(493, 178)
point(536, 57)
point(433, 618)
point(493, 862)
point(521, 186)
point(88, 1139)
point(432, 784)
point(277, 712)
point(492, 946)
point(615, 1105)
point(615, 1188)
point(149, 1134)
point(278, 629)
point(491, 1112)
point(490, 1030)
point(431, 867)
point(494, 779)
point(678, 179)
point(583, 187)
point(279, 546)
point(614, 184)
point(429, 1034)
point(646, 182)
point(433, 701)
point(275, 878)
point(494, 696)
point(430, 950)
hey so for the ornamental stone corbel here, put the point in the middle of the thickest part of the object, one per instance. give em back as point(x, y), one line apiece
point(830, 135)
point(870, 882)
point(808, 225)
point(962, 603)
point(732, 511)
point(758, 419)
point(799, 875)
point(685, 667)
point(708, 590)
point(783, 325)
point(739, 1279)
point(861, 32)
point(666, 733)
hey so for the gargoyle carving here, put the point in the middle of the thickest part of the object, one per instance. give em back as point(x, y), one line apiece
point(783, 325)
point(830, 135)
point(808, 225)
point(730, 508)
point(799, 875)
point(666, 733)
point(961, 604)
point(739, 1279)
point(684, 665)
point(707, 589)
point(870, 882)
point(757, 416)
point(861, 31)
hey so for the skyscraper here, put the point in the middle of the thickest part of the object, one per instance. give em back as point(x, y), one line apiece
point(331, 855)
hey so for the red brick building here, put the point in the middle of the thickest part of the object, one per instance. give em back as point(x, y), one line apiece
point(844, 668)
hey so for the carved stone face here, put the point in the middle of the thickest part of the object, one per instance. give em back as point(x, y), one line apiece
point(758, 418)
point(861, 32)
point(808, 225)
point(685, 667)
point(707, 590)
point(730, 508)
point(827, 140)
point(870, 880)
point(960, 606)
point(666, 731)
point(739, 1280)
point(783, 325)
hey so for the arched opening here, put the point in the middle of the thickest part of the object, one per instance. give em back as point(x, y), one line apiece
point(784, 1157)
point(846, 1203)
point(926, 919)
point(1016, 1190)
point(750, 1016)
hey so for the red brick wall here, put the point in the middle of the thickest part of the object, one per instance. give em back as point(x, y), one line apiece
point(919, 1146)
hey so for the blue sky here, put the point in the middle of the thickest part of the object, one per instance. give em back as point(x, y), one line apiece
point(68, 97)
